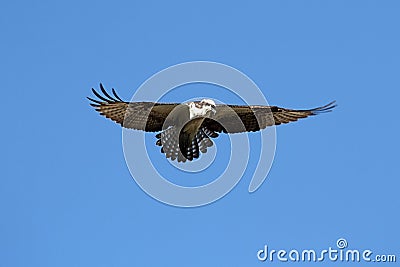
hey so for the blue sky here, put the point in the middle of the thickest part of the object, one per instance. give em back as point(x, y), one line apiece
point(66, 195)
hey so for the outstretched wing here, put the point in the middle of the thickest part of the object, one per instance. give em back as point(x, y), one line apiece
point(147, 116)
point(235, 118)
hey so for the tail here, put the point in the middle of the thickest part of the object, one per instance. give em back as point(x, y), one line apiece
point(184, 148)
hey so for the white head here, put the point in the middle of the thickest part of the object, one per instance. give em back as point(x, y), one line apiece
point(208, 102)
point(202, 108)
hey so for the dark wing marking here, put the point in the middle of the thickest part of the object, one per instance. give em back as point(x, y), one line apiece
point(235, 118)
point(147, 116)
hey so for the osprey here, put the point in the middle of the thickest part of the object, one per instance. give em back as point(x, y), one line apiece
point(186, 129)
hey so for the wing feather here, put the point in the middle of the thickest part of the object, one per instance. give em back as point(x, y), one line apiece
point(147, 116)
point(236, 118)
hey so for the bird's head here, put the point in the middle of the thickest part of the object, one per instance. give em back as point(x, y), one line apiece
point(204, 108)
point(208, 105)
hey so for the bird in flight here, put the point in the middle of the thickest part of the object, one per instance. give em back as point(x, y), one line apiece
point(185, 130)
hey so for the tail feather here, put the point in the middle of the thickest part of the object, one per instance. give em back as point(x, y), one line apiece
point(184, 149)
